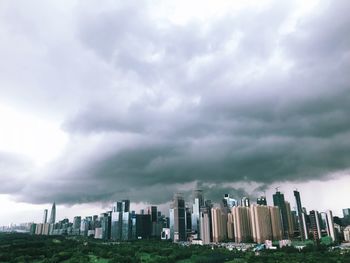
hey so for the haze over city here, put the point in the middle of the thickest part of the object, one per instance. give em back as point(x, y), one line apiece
point(142, 99)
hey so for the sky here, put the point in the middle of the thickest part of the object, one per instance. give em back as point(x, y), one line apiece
point(142, 99)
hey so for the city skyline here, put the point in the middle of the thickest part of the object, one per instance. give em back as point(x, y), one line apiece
point(202, 221)
point(138, 100)
point(194, 201)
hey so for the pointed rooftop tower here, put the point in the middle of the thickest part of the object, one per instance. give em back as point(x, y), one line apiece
point(53, 214)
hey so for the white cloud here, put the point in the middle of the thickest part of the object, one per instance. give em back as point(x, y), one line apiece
point(25, 134)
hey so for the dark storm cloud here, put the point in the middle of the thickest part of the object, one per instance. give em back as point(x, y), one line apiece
point(208, 103)
point(14, 172)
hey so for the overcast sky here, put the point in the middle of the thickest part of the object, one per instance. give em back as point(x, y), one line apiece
point(102, 101)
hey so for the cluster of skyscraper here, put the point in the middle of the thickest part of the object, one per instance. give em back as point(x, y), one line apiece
point(45, 227)
point(119, 224)
point(201, 221)
point(245, 222)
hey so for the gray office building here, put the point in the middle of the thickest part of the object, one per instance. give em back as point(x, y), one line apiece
point(53, 214)
point(301, 217)
point(278, 200)
point(198, 202)
point(178, 218)
point(45, 217)
point(121, 223)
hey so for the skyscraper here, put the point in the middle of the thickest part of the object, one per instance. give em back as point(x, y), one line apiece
point(198, 202)
point(77, 222)
point(143, 226)
point(53, 214)
point(346, 212)
point(45, 216)
point(188, 216)
point(315, 224)
point(301, 217)
point(276, 223)
point(290, 220)
point(126, 226)
point(242, 224)
point(152, 210)
point(278, 200)
point(121, 223)
point(205, 223)
point(330, 225)
point(219, 224)
point(230, 227)
point(116, 233)
point(261, 223)
point(179, 221)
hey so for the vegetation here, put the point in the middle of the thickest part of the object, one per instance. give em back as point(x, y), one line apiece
point(42, 249)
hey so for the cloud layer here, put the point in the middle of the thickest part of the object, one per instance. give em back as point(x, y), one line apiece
point(152, 106)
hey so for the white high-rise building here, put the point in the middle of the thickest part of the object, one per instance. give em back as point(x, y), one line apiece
point(198, 202)
point(205, 225)
point(330, 225)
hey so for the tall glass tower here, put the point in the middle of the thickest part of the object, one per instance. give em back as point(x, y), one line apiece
point(53, 214)
point(301, 217)
point(45, 217)
point(198, 202)
point(278, 200)
point(179, 218)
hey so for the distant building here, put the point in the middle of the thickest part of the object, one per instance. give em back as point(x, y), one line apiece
point(315, 224)
point(53, 214)
point(45, 216)
point(346, 215)
point(98, 233)
point(261, 200)
point(230, 202)
point(32, 229)
point(330, 225)
point(105, 222)
point(45, 229)
point(290, 220)
point(177, 218)
point(346, 212)
point(276, 223)
point(219, 224)
point(230, 227)
point(278, 200)
point(347, 234)
point(143, 226)
point(84, 227)
point(121, 223)
point(152, 210)
point(302, 226)
point(261, 223)
point(38, 229)
point(198, 203)
point(245, 202)
point(242, 224)
point(76, 222)
point(205, 224)
point(188, 218)
point(165, 235)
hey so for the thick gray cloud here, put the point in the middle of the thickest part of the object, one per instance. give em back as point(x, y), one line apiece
point(15, 171)
point(154, 107)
